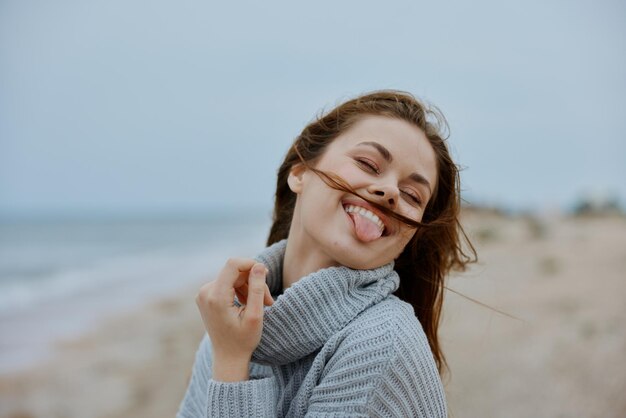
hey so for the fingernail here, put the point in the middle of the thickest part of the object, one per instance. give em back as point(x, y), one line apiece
point(258, 269)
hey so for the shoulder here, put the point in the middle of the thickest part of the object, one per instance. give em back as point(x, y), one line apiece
point(392, 323)
point(399, 330)
point(379, 333)
point(383, 364)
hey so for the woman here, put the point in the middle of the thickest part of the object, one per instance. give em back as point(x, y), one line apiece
point(365, 230)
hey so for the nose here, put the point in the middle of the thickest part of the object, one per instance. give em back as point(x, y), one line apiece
point(386, 194)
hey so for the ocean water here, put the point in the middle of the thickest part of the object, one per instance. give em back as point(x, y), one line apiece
point(57, 278)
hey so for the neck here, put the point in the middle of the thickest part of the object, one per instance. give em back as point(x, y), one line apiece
point(303, 255)
point(300, 261)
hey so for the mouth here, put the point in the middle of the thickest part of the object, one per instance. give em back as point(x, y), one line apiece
point(370, 224)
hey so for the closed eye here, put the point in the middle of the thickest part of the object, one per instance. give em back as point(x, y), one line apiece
point(370, 166)
point(414, 198)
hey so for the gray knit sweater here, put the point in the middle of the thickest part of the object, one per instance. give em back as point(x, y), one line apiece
point(336, 343)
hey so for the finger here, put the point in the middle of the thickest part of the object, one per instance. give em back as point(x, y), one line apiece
point(256, 291)
point(268, 299)
point(241, 296)
point(235, 270)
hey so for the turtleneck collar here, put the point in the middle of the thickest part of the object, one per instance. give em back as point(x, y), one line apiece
point(309, 312)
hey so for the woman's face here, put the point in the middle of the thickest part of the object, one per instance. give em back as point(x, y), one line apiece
point(388, 160)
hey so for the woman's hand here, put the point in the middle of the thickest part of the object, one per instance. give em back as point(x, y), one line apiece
point(234, 331)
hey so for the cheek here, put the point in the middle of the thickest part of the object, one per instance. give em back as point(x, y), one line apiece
point(416, 216)
point(318, 201)
point(405, 236)
point(408, 235)
point(347, 171)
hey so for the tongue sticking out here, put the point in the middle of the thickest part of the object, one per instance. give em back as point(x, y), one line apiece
point(366, 230)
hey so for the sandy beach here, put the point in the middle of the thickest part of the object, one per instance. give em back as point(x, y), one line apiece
point(558, 351)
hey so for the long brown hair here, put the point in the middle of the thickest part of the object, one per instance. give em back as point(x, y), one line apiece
point(437, 247)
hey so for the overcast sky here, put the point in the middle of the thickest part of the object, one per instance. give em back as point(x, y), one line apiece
point(174, 106)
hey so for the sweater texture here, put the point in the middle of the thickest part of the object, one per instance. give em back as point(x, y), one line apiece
point(336, 343)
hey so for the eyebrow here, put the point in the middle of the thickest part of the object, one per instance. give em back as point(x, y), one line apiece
point(416, 177)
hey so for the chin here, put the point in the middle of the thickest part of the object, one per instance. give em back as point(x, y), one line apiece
point(355, 254)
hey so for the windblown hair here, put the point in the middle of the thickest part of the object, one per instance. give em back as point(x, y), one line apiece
point(436, 248)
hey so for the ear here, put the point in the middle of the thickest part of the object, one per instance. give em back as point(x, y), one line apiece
point(295, 177)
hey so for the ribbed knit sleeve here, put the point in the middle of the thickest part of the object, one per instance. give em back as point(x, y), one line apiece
point(251, 398)
point(206, 397)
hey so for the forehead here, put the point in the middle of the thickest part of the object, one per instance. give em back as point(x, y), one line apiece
point(410, 149)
